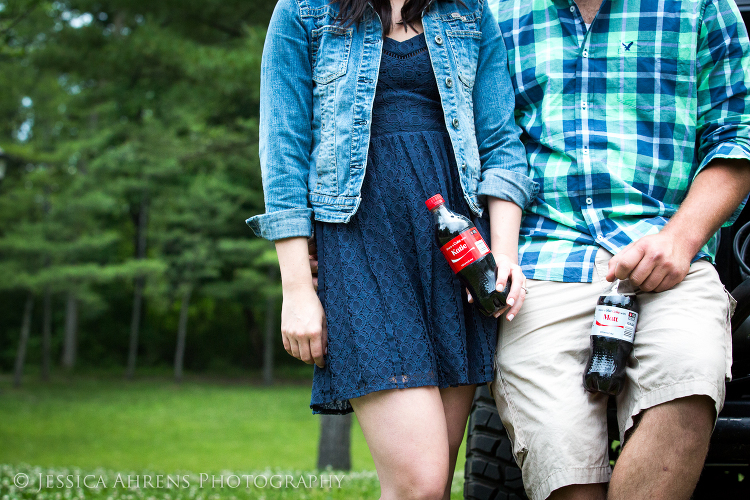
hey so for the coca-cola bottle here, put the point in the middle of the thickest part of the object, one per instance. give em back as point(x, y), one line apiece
point(468, 255)
point(612, 336)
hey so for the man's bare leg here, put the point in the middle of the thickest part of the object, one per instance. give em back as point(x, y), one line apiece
point(664, 456)
point(580, 492)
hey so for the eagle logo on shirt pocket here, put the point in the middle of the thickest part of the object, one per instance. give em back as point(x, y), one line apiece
point(650, 77)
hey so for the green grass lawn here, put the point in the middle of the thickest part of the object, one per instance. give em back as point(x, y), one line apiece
point(154, 425)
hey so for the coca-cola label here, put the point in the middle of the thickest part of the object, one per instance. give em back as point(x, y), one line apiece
point(467, 247)
point(614, 322)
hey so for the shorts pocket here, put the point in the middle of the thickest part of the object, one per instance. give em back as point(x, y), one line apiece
point(511, 417)
point(731, 306)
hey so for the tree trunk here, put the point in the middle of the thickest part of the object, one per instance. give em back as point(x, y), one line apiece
point(140, 281)
point(179, 355)
point(70, 341)
point(334, 448)
point(270, 333)
point(135, 324)
point(254, 337)
point(47, 334)
point(24, 341)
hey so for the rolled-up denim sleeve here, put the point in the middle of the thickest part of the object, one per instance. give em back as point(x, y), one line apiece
point(285, 142)
point(502, 156)
point(723, 67)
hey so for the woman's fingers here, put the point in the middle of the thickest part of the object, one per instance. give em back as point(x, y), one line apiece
point(294, 348)
point(303, 325)
point(517, 292)
point(286, 342)
point(504, 267)
point(468, 294)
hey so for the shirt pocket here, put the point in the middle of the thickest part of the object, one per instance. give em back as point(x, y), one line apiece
point(331, 46)
point(652, 80)
point(464, 44)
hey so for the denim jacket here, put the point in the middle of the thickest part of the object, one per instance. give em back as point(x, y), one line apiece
point(318, 81)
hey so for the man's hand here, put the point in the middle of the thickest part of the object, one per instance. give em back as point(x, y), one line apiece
point(312, 250)
point(654, 263)
point(658, 262)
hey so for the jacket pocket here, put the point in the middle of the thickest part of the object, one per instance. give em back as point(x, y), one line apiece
point(465, 47)
point(330, 51)
point(330, 47)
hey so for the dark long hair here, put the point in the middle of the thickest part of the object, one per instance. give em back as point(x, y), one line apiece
point(352, 11)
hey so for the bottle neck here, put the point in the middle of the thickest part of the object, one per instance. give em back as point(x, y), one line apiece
point(439, 209)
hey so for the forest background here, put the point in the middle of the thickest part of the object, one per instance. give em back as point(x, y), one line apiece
point(128, 164)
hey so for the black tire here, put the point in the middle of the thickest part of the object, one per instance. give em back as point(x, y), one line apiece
point(726, 483)
point(491, 472)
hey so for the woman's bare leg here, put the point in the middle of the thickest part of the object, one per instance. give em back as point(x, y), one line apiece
point(414, 435)
point(456, 405)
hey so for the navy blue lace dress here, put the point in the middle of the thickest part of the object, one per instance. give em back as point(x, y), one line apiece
point(397, 316)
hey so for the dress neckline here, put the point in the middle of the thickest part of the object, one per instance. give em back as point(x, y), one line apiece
point(412, 46)
point(393, 40)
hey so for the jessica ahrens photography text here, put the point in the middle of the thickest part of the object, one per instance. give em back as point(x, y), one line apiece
point(41, 481)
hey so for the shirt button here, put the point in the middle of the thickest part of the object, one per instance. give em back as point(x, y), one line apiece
point(585, 150)
point(439, 40)
point(455, 123)
point(463, 167)
point(585, 53)
point(572, 9)
point(589, 201)
point(449, 82)
point(583, 104)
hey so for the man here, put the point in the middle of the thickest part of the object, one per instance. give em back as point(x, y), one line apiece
point(635, 120)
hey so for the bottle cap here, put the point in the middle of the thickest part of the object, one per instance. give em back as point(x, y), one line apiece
point(434, 201)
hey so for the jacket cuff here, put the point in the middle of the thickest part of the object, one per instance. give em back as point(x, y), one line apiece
point(508, 185)
point(290, 223)
point(731, 150)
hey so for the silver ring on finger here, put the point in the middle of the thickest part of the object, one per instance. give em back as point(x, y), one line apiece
point(525, 289)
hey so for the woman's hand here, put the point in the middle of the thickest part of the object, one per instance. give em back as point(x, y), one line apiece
point(508, 269)
point(303, 325)
point(303, 321)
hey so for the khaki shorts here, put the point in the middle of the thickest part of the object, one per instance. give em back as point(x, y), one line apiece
point(559, 431)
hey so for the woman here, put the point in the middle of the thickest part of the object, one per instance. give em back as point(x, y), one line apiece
point(367, 109)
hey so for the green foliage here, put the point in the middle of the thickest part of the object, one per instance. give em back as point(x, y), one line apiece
point(114, 107)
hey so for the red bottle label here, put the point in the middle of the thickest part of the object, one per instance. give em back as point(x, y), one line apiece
point(467, 247)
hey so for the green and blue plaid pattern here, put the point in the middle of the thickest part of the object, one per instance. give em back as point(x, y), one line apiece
point(618, 119)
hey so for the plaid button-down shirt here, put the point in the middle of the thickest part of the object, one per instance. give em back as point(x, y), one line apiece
point(618, 119)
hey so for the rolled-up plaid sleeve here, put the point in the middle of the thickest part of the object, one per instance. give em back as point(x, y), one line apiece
point(723, 72)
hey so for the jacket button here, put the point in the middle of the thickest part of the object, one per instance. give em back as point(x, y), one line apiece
point(455, 123)
point(439, 40)
point(449, 82)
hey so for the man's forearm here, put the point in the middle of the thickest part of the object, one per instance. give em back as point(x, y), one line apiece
point(715, 194)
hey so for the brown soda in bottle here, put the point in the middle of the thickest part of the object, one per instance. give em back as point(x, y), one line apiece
point(468, 256)
point(612, 336)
